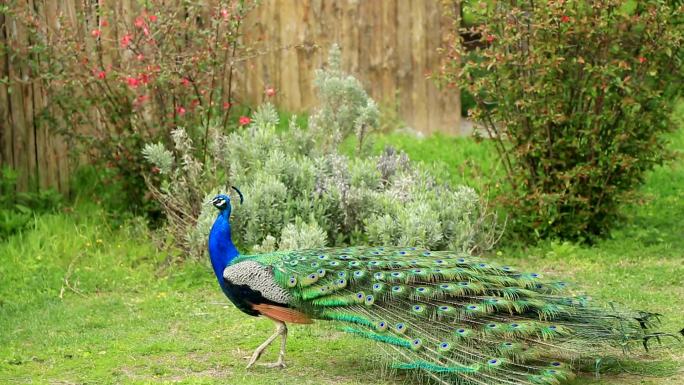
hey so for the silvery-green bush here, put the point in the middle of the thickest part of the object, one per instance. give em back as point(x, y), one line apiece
point(302, 193)
point(345, 108)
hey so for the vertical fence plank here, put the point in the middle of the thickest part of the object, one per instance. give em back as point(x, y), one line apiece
point(363, 46)
point(350, 36)
point(57, 14)
point(254, 71)
point(42, 168)
point(418, 48)
point(17, 39)
point(289, 66)
point(6, 126)
point(51, 142)
point(389, 61)
point(26, 84)
point(448, 107)
point(404, 82)
point(305, 29)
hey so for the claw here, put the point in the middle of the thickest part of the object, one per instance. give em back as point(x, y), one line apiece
point(274, 365)
point(253, 359)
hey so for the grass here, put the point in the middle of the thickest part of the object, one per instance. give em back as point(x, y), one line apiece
point(458, 160)
point(84, 301)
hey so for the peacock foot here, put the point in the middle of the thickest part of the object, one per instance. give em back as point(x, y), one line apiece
point(280, 364)
point(274, 365)
point(281, 330)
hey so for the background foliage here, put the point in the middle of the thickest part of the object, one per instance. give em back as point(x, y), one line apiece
point(576, 96)
point(344, 109)
point(17, 209)
point(77, 280)
point(74, 278)
point(171, 69)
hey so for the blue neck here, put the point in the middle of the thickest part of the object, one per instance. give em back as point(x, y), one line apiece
point(221, 248)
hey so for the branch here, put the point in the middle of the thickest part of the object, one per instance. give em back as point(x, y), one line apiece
point(67, 276)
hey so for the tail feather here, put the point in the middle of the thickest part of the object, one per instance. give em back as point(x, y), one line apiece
point(455, 318)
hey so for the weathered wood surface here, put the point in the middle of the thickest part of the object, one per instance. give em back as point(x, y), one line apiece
point(390, 45)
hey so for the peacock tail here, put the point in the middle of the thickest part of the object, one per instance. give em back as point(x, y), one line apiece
point(455, 318)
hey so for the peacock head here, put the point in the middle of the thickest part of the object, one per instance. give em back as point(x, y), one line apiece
point(222, 201)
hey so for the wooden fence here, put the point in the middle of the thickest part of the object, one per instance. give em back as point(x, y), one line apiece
point(390, 45)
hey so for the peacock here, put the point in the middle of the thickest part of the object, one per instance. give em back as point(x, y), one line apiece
point(453, 317)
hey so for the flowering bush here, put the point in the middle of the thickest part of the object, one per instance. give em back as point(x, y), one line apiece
point(130, 81)
point(576, 96)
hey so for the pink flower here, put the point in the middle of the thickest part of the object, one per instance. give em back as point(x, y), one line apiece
point(180, 110)
point(565, 19)
point(153, 18)
point(226, 105)
point(101, 74)
point(490, 38)
point(132, 82)
point(270, 91)
point(95, 33)
point(139, 22)
point(244, 120)
point(104, 23)
point(185, 82)
point(144, 78)
point(224, 13)
point(642, 59)
point(140, 100)
point(140, 57)
point(126, 40)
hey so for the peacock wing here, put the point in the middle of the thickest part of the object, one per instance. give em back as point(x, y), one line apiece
point(252, 287)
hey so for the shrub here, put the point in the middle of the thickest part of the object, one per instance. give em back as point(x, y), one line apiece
point(345, 106)
point(301, 193)
point(17, 209)
point(576, 95)
point(130, 80)
point(298, 197)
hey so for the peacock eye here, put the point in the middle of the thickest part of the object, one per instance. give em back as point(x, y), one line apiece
point(220, 202)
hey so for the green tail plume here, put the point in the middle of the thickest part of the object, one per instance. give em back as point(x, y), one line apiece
point(457, 318)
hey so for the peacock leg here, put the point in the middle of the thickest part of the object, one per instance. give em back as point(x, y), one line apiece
point(280, 330)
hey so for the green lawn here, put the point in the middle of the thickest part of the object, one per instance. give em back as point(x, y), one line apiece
point(86, 302)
